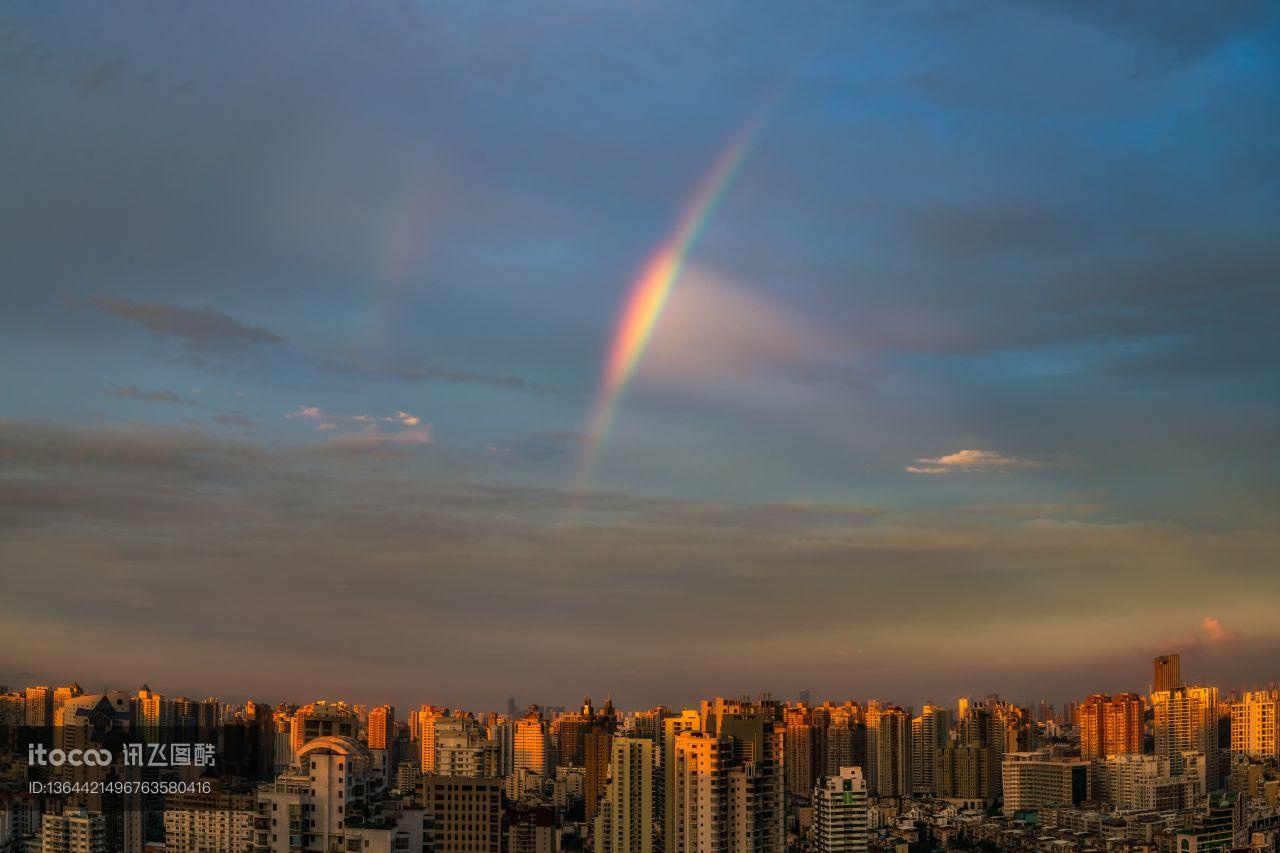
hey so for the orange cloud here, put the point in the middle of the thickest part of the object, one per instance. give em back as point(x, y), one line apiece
point(1210, 633)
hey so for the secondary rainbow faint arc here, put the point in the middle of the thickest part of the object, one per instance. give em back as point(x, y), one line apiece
point(652, 288)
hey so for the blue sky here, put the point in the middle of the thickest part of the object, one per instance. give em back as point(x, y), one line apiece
point(314, 300)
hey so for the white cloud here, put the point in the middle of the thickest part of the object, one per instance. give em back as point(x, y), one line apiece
point(974, 460)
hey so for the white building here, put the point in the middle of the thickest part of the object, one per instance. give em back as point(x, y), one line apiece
point(1146, 783)
point(1034, 780)
point(840, 812)
point(625, 822)
point(197, 823)
point(73, 831)
point(333, 798)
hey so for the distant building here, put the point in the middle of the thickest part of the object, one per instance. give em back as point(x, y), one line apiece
point(929, 733)
point(381, 727)
point(1166, 674)
point(893, 753)
point(532, 746)
point(73, 831)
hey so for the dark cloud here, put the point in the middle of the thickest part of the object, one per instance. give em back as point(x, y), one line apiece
point(162, 396)
point(1183, 29)
point(197, 326)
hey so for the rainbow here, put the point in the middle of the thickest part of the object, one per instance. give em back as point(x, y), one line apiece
point(652, 288)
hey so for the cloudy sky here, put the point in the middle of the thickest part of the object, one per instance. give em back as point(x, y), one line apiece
point(969, 382)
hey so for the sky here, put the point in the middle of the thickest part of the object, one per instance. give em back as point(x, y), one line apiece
point(964, 382)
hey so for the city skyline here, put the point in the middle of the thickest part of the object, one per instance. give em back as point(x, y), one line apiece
point(646, 351)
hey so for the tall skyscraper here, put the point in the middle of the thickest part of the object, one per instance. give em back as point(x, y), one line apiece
point(39, 706)
point(427, 718)
point(597, 750)
point(626, 817)
point(840, 812)
point(531, 744)
point(929, 733)
point(1186, 721)
point(698, 793)
point(686, 721)
point(463, 748)
point(381, 727)
point(1255, 725)
point(725, 784)
point(1167, 674)
point(1110, 725)
point(893, 753)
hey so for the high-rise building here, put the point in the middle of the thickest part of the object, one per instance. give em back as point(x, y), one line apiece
point(840, 812)
point(75, 830)
point(596, 755)
point(1186, 721)
point(798, 753)
point(569, 731)
point(626, 817)
point(871, 771)
point(333, 797)
point(1145, 783)
point(320, 719)
point(929, 733)
point(427, 718)
point(1166, 674)
point(1035, 780)
point(724, 783)
point(687, 720)
point(531, 828)
point(531, 744)
point(468, 813)
point(967, 773)
point(463, 748)
point(38, 702)
point(893, 753)
point(1255, 725)
point(1110, 725)
point(200, 823)
point(381, 727)
point(698, 793)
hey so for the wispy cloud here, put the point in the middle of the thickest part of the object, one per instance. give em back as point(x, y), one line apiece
point(329, 420)
point(194, 325)
point(422, 373)
point(972, 460)
point(233, 418)
point(162, 396)
point(373, 442)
